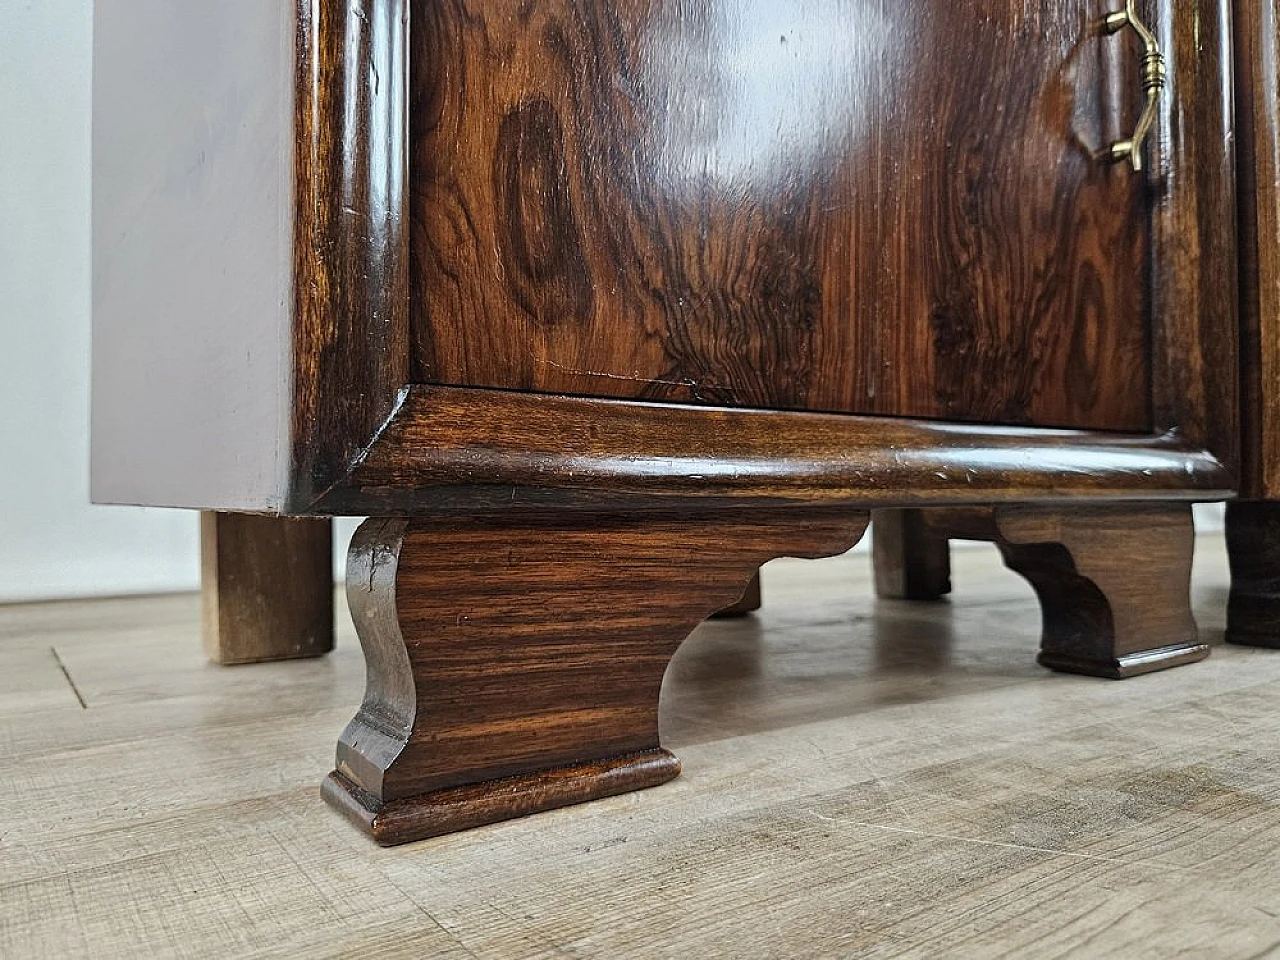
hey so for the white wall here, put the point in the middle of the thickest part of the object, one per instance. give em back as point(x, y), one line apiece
point(52, 542)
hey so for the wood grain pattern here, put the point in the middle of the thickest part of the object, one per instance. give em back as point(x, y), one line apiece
point(1257, 36)
point(844, 207)
point(1253, 548)
point(450, 448)
point(1114, 585)
point(351, 260)
point(1113, 581)
point(1193, 268)
point(266, 586)
point(514, 662)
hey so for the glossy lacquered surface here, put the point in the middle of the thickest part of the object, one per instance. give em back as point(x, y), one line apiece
point(906, 220)
point(1258, 109)
point(840, 205)
point(449, 448)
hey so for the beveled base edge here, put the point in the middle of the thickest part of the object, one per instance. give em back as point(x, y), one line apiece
point(1129, 665)
point(494, 451)
point(474, 805)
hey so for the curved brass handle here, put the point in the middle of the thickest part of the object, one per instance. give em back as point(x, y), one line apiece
point(1153, 80)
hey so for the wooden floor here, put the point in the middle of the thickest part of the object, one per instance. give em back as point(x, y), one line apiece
point(861, 779)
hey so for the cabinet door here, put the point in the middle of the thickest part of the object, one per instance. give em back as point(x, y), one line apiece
point(840, 205)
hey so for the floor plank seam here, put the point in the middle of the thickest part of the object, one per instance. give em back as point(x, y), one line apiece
point(67, 673)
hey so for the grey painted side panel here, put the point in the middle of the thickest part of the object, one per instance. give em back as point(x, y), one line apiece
point(193, 144)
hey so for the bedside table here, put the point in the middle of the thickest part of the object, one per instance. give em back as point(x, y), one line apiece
point(596, 307)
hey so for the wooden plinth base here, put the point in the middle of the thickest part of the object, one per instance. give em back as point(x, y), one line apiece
point(462, 808)
point(507, 654)
point(1113, 581)
point(1129, 665)
point(750, 601)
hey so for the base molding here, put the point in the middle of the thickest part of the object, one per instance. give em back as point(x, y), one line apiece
point(1129, 665)
point(477, 804)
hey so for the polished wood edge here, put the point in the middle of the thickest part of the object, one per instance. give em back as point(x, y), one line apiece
point(462, 808)
point(459, 448)
point(1194, 263)
point(1256, 146)
point(1129, 665)
point(351, 234)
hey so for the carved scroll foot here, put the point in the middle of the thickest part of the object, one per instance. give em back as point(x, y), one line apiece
point(912, 560)
point(1114, 585)
point(1253, 549)
point(514, 663)
point(1113, 582)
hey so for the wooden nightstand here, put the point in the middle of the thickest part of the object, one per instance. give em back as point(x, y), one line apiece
point(596, 307)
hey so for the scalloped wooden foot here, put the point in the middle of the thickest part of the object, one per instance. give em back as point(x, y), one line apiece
point(514, 663)
point(1113, 582)
point(1114, 585)
point(1253, 548)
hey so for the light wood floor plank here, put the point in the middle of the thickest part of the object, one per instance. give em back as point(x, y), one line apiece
point(862, 779)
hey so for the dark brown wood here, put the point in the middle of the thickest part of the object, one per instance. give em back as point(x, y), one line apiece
point(1257, 33)
point(474, 805)
point(1114, 585)
point(1253, 525)
point(749, 602)
point(911, 560)
point(1253, 548)
point(351, 244)
point(266, 587)
point(600, 198)
point(1113, 581)
point(514, 661)
point(452, 448)
point(1191, 182)
point(872, 209)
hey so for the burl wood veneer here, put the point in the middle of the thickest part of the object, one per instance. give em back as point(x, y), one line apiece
point(595, 307)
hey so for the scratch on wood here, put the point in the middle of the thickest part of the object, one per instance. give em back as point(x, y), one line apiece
point(634, 378)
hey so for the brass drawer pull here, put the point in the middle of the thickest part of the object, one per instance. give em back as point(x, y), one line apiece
point(1153, 82)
